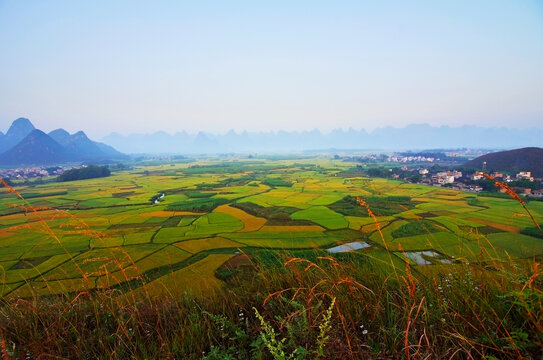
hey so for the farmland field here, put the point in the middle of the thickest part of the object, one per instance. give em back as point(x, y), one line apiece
point(168, 228)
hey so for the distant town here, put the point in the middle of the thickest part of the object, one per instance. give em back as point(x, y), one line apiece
point(35, 172)
point(472, 182)
point(457, 177)
point(448, 169)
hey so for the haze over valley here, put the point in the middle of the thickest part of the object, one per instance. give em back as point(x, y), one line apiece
point(410, 137)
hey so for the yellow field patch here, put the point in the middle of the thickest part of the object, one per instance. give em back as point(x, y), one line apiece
point(195, 246)
point(53, 287)
point(356, 222)
point(198, 278)
point(134, 271)
point(290, 228)
point(368, 229)
point(46, 191)
point(250, 222)
point(11, 232)
point(98, 194)
point(504, 227)
point(279, 194)
point(167, 214)
point(441, 201)
point(36, 216)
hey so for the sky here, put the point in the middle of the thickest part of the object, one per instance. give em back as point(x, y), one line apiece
point(143, 66)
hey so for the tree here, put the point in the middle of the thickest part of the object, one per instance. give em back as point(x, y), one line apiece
point(89, 172)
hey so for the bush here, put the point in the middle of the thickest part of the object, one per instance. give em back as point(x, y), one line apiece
point(197, 204)
point(379, 205)
point(89, 172)
point(415, 228)
point(276, 182)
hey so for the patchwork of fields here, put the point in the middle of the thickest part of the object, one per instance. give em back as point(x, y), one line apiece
point(168, 228)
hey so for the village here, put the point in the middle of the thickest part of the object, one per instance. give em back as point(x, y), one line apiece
point(472, 182)
point(34, 172)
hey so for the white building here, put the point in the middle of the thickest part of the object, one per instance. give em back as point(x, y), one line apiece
point(443, 178)
point(457, 174)
point(537, 193)
point(525, 175)
point(477, 176)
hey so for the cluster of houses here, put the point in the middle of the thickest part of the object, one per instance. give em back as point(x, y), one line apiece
point(439, 178)
point(410, 159)
point(33, 172)
point(523, 175)
point(448, 178)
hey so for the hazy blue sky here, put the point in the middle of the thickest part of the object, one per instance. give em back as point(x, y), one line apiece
point(134, 66)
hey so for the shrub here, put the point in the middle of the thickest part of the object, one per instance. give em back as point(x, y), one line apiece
point(89, 172)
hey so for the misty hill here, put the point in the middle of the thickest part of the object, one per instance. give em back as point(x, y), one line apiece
point(38, 148)
point(83, 148)
point(82, 145)
point(18, 130)
point(525, 159)
point(410, 137)
point(110, 152)
point(61, 136)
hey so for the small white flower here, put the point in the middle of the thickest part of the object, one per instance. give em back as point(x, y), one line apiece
point(365, 332)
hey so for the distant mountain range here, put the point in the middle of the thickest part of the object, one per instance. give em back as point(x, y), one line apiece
point(411, 137)
point(525, 159)
point(23, 145)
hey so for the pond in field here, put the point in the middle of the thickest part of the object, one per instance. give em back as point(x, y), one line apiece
point(158, 198)
point(421, 257)
point(352, 246)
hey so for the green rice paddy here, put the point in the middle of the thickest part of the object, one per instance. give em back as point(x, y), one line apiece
point(110, 232)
